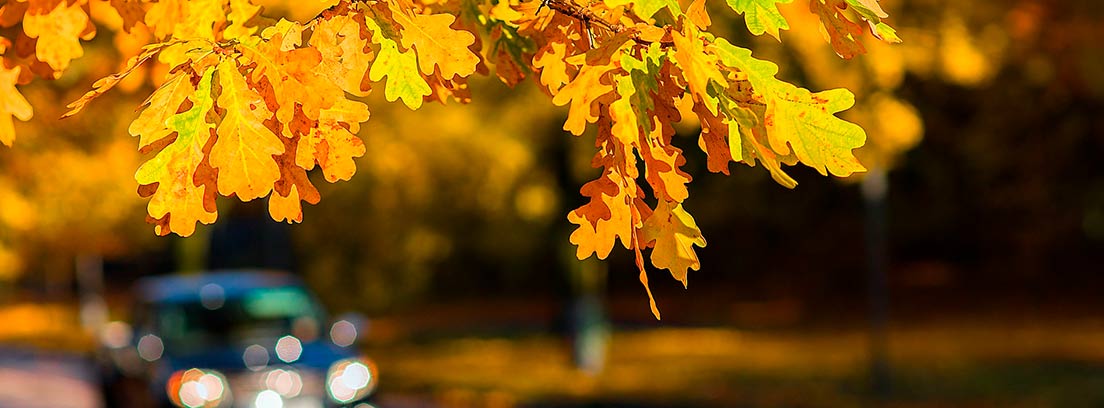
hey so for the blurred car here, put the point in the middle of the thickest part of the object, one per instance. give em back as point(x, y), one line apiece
point(256, 339)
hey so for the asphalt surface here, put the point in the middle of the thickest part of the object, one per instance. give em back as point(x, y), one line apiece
point(41, 379)
point(38, 379)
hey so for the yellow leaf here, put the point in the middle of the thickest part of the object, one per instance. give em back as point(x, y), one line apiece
point(150, 124)
point(177, 200)
point(675, 233)
point(438, 44)
point(130, 11)
point(200, 19)
point(698, 14)
point(345, 54)
point(58, 30)
point(241, 12)
point(163, 16)
point(698, 67)
point(244, 149)
point(11, 104)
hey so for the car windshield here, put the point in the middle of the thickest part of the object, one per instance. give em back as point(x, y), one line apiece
point(255, 316)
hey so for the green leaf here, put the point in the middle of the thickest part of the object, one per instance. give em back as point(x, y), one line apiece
point(192, 130)
point(798, 120)
point(886, 33)
point(400, 67)
point(635, 105)
point(761, 16)
point(401, 70)
point(807, 122)
point(647, 8)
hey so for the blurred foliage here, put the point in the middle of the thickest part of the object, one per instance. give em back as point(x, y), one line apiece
point(950, 364)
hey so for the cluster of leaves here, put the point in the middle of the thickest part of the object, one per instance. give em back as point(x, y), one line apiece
point(250, 105)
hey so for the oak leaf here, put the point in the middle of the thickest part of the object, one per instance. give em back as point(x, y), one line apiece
point(245, 146)
point(698, 67)
point(604, 219)
point(761, 16)
point(150, 126)
point(288, 207)
point(172, 170)
point(12, 104)
point(333, 144)
point(163, 16)
point(663, 164)
point(698, 15)
point(130, 11)
point(674, 234)
point(59, 30)
point(648, 8)
point(590, 84)
point(345, 53)
point(241, 12)
point(843, 34)
point(581, 93)
point(798, 119)
point(400, 67)
point(554, 71)
point(438, 44)
point(292, 75)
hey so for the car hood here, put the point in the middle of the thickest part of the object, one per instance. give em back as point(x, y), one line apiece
point(315, 355)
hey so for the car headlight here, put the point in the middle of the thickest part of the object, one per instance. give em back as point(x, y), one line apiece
point(196, 388)
point(351, 379)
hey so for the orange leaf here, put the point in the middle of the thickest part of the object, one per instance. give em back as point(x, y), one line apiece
point(130, 11)
point(663, 162)
point(843, 34)
point(286, 208)
point(582, 92)
point(554, 72)
point(334, 144)
point(607, 217)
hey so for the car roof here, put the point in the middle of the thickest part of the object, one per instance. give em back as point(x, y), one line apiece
point(178, 288)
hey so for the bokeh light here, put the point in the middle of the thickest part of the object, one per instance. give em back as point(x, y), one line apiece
point(196, 388)
point(255, 357)
point(150, 347)
point(343, 333)
point(212, 296)
point(287, 383)
point(288, 349)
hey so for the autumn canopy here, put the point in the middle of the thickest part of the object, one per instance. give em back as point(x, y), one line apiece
point(247, 106)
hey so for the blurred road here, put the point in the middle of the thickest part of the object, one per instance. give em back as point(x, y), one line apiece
point(46, 380)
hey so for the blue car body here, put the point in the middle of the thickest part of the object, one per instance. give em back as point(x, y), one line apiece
point(243, 325)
